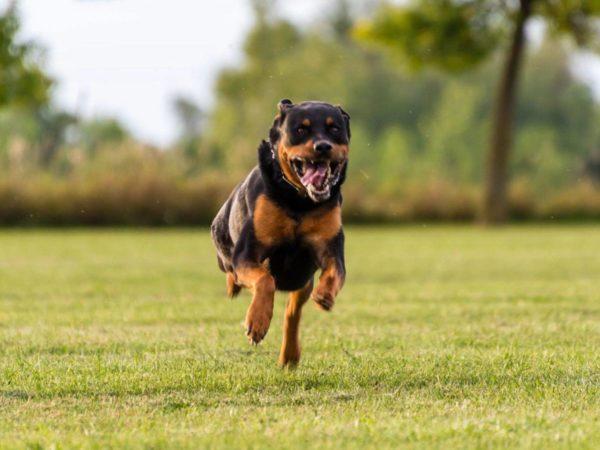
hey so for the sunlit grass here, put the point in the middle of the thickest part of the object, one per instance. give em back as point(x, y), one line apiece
point(443, 337)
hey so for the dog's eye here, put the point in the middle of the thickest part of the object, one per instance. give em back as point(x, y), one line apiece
point(334, 129)
point(301, 131)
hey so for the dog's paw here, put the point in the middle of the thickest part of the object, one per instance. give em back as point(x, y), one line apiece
point(257, 324)
point(323, 299)
point(289, 360)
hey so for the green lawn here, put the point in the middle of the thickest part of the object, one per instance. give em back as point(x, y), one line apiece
point(444, 337)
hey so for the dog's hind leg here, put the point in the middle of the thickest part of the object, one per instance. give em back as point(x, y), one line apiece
point(290, 347)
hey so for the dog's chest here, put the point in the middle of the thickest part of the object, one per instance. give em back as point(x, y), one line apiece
point(273, 226)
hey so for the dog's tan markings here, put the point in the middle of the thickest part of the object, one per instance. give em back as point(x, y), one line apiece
point(339, 151)
point(233, 288)
point(284, 155)
point(321, 226)
point(330, 283)
point(252, 276)
point(290, 346)
point(260, 311)
point(271, 224)
point(318, 229)
point(329, 121)
point(306, 122)
point(308, 146)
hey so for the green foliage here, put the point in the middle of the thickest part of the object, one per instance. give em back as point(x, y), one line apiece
point(578, 18)
point(550, 97)
point(315, 67)
point(267, 42)
point(457, 34)
point(408, 127)
point(22, 80)
point(394, 158)
point(538, 159)
point(190, 117)
point(455, 134)
point(443, 337)
point(417, 143)
point(93, 133)
point(32, 138)
point(446, 33)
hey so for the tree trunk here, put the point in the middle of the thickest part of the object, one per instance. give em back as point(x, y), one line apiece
point(495, 205)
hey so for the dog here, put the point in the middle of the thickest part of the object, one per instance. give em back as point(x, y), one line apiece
point(283, 222)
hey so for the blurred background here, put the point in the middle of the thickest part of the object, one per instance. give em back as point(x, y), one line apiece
point(127, 112)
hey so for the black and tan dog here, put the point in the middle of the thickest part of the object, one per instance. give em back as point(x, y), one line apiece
point(283, 222)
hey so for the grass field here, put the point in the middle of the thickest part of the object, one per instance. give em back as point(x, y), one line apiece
point(445, 337)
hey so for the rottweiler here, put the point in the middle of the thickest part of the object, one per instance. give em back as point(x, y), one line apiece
point(283, 222)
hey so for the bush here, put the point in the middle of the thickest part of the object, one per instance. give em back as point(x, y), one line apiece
point(152, 198)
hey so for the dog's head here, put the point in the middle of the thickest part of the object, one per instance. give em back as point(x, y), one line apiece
point(310, 141)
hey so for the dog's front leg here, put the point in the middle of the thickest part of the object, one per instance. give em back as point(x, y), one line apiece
point(252, 274)
point(260, 311)
point(331, 261)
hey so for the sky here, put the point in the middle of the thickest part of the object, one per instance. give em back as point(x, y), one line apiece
point(130, 58)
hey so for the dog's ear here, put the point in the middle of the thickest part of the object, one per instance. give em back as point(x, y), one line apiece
point(283, 107)
point(346, 117)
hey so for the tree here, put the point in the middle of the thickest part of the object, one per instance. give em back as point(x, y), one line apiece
point(22, 80)
point(52, 128)
point(455, 35)
point(189, 116)
point(24, 87)
point(96, 132)
point(191, 124)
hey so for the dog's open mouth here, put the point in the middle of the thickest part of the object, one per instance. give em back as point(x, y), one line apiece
point(318, 176)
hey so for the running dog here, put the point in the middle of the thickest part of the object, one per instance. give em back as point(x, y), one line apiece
point(283, 222)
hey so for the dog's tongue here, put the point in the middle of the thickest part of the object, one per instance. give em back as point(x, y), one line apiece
point(315, 174)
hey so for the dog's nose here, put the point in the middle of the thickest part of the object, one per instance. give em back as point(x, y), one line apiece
point(323, 147)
